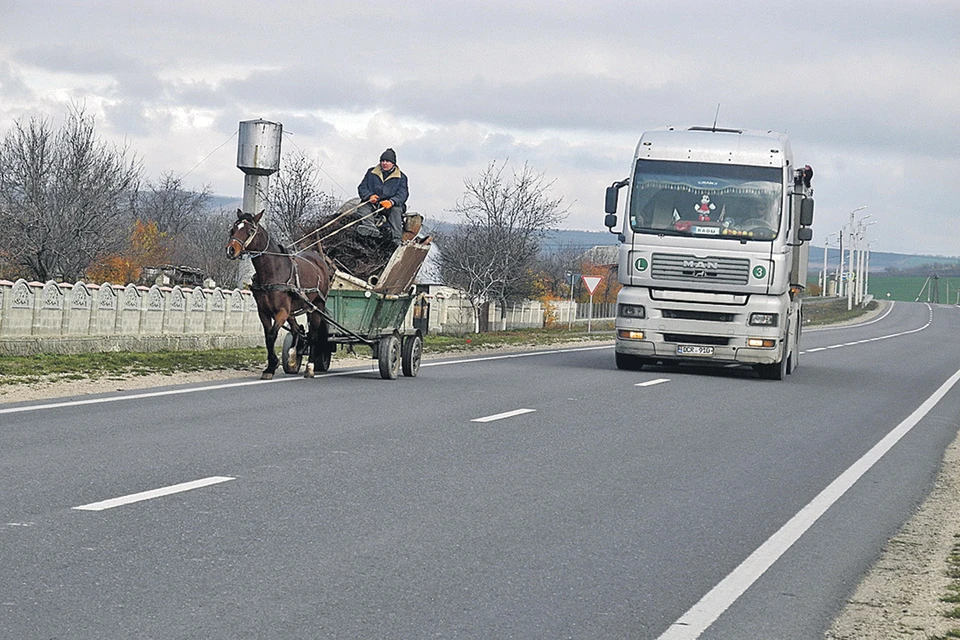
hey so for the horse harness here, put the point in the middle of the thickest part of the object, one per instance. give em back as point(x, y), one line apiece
point(292, 285)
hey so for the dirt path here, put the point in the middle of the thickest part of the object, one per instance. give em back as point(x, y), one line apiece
point(898, 598)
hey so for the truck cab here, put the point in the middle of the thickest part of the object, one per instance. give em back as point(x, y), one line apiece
point(713, 253)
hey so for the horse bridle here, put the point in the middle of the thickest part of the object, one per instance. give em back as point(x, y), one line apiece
point(246, 243)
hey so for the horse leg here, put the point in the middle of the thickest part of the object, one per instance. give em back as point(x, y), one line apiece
point(319, 345)
point(271, 327)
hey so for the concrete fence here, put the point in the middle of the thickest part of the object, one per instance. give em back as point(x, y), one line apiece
point(451, 312)
point(56, 317)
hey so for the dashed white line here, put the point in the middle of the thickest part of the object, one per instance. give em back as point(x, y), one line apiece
point(153, 493)
point(650, 383)
point(501, 416)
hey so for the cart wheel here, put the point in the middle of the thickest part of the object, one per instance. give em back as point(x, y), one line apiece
point(388, 356)
point(412, 352)
point(326, 352)
point(292, 357)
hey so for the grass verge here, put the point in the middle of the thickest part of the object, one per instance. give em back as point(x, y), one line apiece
point(952, 596)
point(832, 311)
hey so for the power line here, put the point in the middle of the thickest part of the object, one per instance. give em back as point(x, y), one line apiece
point(232, 135)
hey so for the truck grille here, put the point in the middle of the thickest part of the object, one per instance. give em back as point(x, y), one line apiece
point(686, 338)
point(666, 266)
point(707, 316)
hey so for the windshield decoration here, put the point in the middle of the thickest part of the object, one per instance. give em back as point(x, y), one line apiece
point(700, 199)
point(704, 208)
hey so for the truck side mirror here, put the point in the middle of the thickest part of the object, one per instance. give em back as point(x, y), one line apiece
point(611, 204)
point(804, 234)
point(806, 212)
point(610, 221)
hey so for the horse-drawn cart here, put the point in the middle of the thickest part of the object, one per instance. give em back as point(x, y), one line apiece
point(371, 313)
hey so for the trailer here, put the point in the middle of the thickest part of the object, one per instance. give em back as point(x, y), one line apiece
point(369, 312)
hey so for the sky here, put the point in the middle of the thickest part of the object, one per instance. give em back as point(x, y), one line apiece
point(868, 92)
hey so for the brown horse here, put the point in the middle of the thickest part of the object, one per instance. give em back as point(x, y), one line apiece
point(284, 284)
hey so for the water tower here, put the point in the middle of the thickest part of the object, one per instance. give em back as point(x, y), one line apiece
point(258, 156)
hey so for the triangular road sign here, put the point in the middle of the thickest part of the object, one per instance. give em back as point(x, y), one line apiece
point(591, 282)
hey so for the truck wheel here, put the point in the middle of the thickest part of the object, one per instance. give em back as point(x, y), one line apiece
point(627, 362)
point(388, 357)
point(292, 357)
point(411, 355)
point(775, 371)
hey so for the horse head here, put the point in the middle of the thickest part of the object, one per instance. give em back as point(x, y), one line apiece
point(242, 234)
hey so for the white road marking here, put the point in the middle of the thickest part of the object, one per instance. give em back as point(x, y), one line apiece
point(154, 493)
point(140, 396)
point(866, 340)
point(512, 355)
point(710, 607)
point(650, 383)
point(244, 383)
point(506, 414)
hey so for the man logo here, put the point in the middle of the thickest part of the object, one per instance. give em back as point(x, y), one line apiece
point(700, 265)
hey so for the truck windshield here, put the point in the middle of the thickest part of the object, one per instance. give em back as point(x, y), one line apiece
point(700, 199)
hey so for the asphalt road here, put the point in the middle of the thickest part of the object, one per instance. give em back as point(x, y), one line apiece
point(669, 502)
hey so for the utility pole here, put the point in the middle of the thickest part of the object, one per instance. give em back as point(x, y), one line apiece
point(852, 228)
point(823, 284)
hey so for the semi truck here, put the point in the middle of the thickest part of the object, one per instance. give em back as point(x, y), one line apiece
point(713, 250)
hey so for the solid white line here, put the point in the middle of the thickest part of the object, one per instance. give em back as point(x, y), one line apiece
point(703, 614)
point(501, 416)
point(650, 383)
point(140, 396)
point(876, 339)
point(154, 493)
point(525, 354)
point(244, 383)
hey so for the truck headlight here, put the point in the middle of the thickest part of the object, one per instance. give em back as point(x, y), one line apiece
point(631, 311)
point(764, 319)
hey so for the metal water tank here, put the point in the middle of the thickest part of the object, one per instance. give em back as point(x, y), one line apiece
point(258, 151)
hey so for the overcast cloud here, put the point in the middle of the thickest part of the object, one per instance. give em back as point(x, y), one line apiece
point(868, 92)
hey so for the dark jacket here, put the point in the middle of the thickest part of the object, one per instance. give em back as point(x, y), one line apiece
point(392, 187)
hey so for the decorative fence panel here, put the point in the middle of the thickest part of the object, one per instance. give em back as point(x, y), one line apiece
point(71, 318)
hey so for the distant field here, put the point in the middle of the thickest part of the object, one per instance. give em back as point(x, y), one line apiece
point(907, 288)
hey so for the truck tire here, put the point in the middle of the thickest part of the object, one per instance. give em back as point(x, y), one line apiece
point(627, 362)
point(775, 371)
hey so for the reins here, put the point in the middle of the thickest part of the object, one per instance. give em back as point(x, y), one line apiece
point(314, 232)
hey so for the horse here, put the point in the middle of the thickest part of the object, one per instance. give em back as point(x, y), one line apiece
point(285, 284)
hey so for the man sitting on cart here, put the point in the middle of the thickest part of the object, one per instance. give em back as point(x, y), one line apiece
point(383, 187)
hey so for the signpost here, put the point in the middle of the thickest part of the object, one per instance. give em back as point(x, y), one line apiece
point(591, 283)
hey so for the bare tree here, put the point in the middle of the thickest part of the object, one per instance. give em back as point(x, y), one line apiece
point(491, 253)
point(555, 268)
point(66, 197)
point(296, 199)
point(205, 242)
point(173, 208)
point(180, 214)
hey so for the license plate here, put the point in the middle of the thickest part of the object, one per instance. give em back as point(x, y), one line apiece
point(693, 350)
